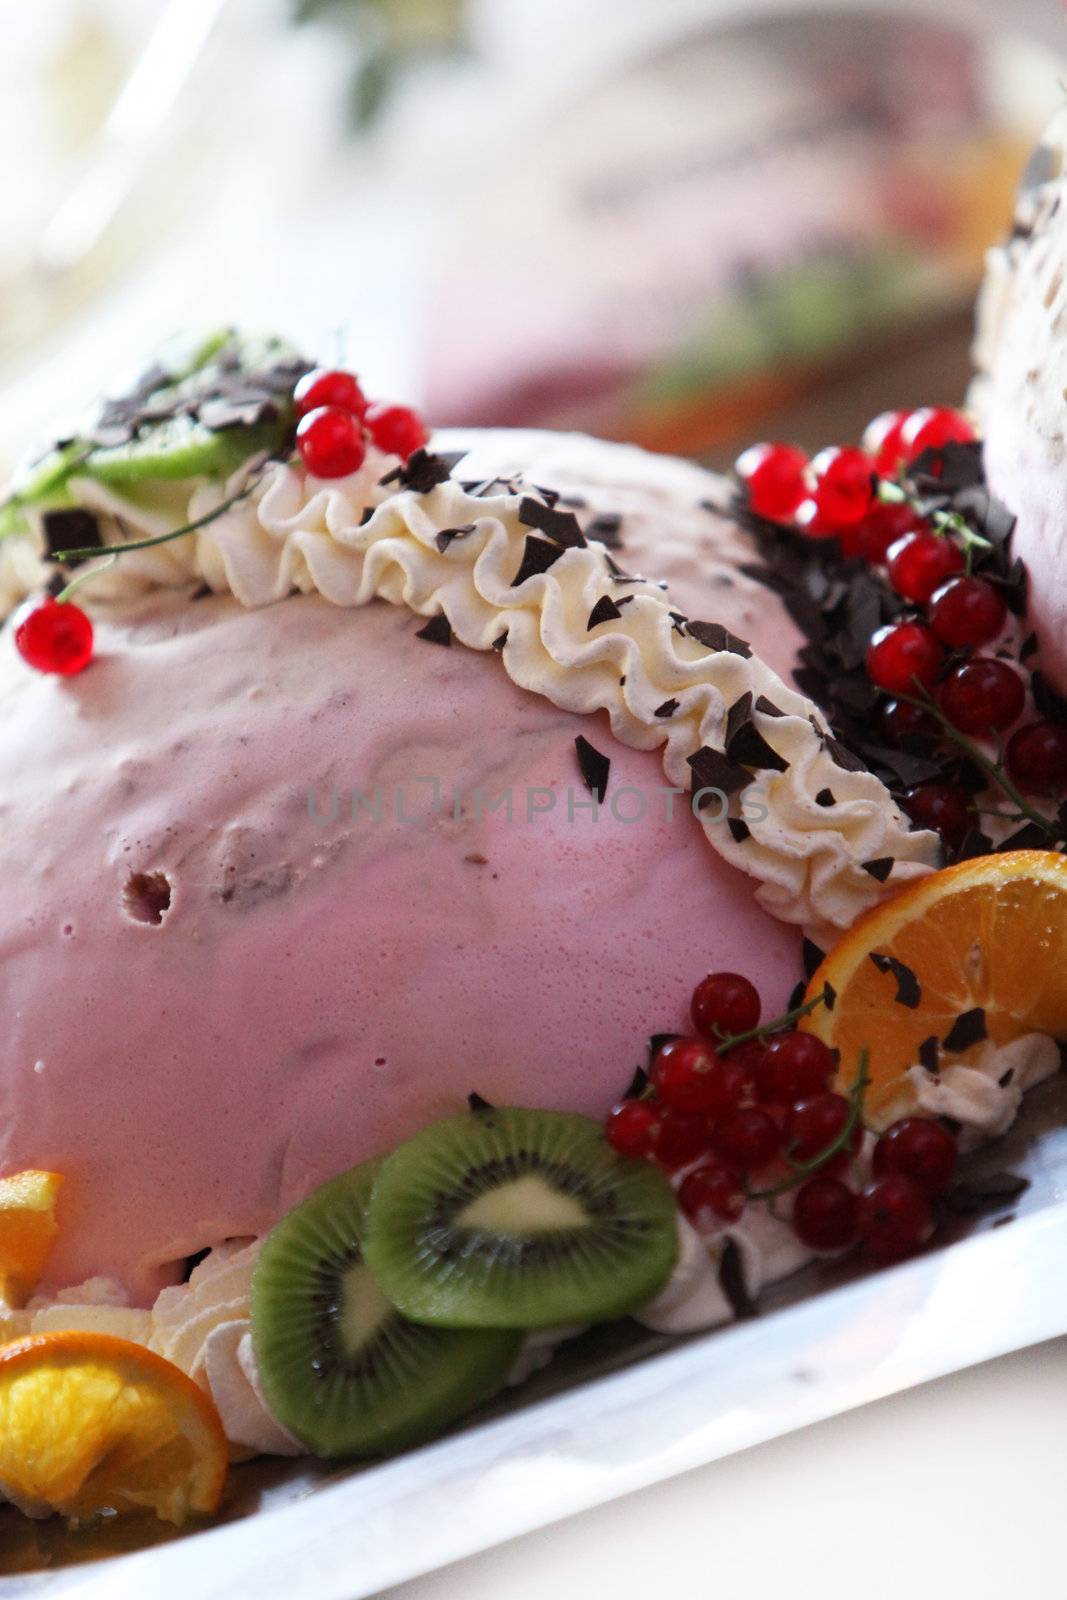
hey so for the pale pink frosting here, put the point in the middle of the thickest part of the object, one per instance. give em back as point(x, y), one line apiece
point(318, 988)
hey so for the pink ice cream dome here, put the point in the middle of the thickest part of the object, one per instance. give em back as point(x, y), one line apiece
point(375, 794)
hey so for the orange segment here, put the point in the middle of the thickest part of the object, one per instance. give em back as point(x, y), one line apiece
point(92, 1423)
point(27, 1229)
point(989, 933)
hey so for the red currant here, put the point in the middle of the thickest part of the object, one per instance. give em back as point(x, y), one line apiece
point(330, 442)
point(773, 476)
point(397, 430)
point(903, 721)
point(933, 427)
point(1037, 757)
point(885, 523)
point(904, 656)
point(812, 1125)
point(941, 807)
point(825, 1214)
point(725, 1003)
point(632, 1127)
point(920, 1150)
point(894, 1217)
point(794, 1066)
point(328, 386)
point(809, 519)
point(844, 485)
point(919, 563)
point(53, 636)
point(711, 1194)
point(682, 1137)
point(748, 1139)
point(966, 611)
point(982, 696)
point(881, 440)
point(689, 1076)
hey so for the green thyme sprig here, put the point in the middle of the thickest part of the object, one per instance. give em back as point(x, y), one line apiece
point(948, 524)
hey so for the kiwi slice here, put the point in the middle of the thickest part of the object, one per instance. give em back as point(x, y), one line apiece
point(182, 447)
point(518, 1219)
point(340, 1368)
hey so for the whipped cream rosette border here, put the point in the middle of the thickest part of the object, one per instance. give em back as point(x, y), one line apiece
point(446, 551)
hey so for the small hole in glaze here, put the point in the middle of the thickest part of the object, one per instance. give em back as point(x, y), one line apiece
point(146, 897)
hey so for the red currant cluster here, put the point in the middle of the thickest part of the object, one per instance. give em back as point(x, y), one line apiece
point(836, 494)
point(750, 1113)
point(336, 420)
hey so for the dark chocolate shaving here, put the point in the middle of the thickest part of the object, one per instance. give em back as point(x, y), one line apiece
point(501, 640)
point(637, 1085)
point(909, 990)
point(825, 797)
point(437, 631)
point(930, 1054)
point(880, 868)
point(605, 529)
point(422, 472)
point(796, 997)
point(989, 1193)
point(715, 637)
point(732, 1280)
point(738, 715)
point(969, 1028)
point(537, 556)
point(562, 527)
point(656, 1041)
point(605, 610)
point(667, 709)
point(739, 829)
point(713, 770)
point(70, 529)
point(447, 535)
point(768, 707)
point(476, 1102)
point(750, 748)
point(594, 766)
point(812, 957)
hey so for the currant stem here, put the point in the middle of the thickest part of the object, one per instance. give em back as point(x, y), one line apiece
point(255, 471)
point(83, 577)
point(990, 768)
point(804, 1169)
point(942, 522)
point(727, 1041)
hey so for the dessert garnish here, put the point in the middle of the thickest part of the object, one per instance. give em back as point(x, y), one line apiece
point(982, 947)
point(90, 1423)
point(342, 1369)
point(896, 562)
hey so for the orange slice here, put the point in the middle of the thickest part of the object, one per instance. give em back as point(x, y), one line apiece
point(988, 934)
point(27, 1229)
point(92, 1423)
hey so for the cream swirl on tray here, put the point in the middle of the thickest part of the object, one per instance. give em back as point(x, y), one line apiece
point(508, 572)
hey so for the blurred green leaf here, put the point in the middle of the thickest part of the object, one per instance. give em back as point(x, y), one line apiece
point(371, 85)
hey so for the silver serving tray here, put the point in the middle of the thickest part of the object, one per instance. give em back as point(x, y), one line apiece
point(618, 1410)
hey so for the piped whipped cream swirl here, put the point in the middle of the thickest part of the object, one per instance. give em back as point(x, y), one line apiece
point(810, 826)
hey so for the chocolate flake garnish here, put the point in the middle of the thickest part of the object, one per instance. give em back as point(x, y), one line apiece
point(739, 829)
point(501, 640)
point(930, 1054)
point(1028, 647)
point(1048, 702)
point(203, 591)
point(70, 529)
point(825, 797)
point(637, 1085)
point(1006, 1079)
point(605, 610)
point(969, 1028)
point(796, 997)
point(477, 1103)
point(713, 770)
point(604, 528)
point(678, 621)
point(446, 535)
point(738, 715)
point(985, 1194)
point(667, 709)
point(366, 514)
point(656, 1041)
point(880, 868)
point(749, 747)
point(732, 1280)
point(422, 471)
point(909, 990)
point(812, 957)
point(829, 996)
point(715, 637)
point(842, 756)
point(768, 707)
point(974, 843)
point(562, 527)
point(1031, 836)
point(437, 631)
point(537, 556)
point(594, 766)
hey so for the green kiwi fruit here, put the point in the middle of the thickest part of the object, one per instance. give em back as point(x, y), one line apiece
point(181, 447)
point(518, 1219)
point(340, 1367)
